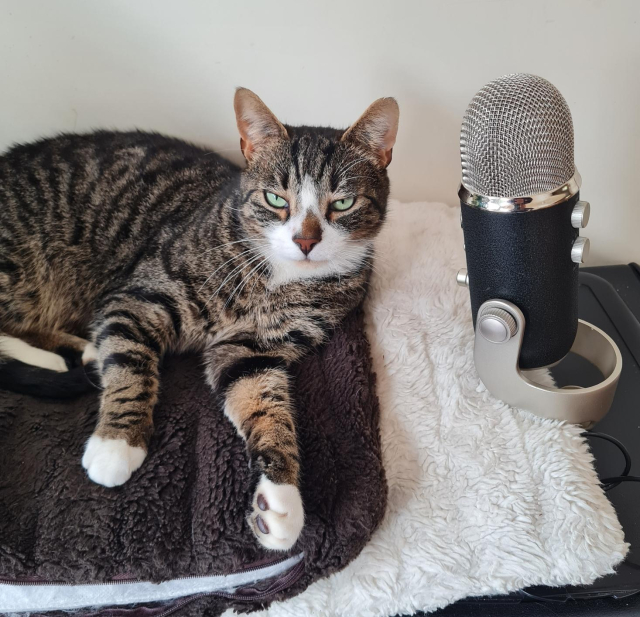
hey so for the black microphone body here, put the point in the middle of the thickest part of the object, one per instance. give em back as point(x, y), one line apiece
point(525, 257)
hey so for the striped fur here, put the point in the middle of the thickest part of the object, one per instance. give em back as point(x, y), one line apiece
point(144, 244)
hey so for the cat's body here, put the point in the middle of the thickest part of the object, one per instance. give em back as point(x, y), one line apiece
point(89, 211)
point(145, 244)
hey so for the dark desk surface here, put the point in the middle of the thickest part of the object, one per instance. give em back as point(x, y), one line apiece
point(612, 304)
point(623, 421)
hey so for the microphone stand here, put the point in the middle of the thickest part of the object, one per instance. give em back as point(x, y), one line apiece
point(498, 339)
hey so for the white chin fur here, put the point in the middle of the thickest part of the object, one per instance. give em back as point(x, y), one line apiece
point(290, 270)
point(334, 255)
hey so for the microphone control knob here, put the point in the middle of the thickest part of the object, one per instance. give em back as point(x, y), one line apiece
point(580, 214)
point(497, 325)
point(462, 278)
point(580, 250)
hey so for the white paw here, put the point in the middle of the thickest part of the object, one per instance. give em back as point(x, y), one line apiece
point(19, 350)
point(278, 517)
point(90, 353)
point(52, 361)
point(111, 462)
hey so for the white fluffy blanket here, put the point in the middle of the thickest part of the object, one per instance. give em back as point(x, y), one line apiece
point(483, 499)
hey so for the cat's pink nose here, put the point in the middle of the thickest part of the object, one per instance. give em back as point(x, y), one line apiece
point(306, 244)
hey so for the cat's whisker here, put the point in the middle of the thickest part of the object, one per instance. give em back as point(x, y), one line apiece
point(369, 250)
point(231, 259)
point(364, 260)
point(373, 269)
point(264, 268)
point(219, 246)
point(245, 253)
point(245, 279)
point(248, 251)
point(368, 261)
point(239, 268)
point(233, 273)
point(352, 164)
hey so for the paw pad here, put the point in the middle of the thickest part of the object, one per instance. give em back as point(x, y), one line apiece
point(278, 516)
point(262, 502)
point(262, 526)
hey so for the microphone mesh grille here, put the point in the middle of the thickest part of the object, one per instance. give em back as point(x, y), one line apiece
point(516, 138)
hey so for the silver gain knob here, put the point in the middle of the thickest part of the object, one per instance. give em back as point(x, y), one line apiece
point(580, 214)
point(462, 278)
point(497, 325)
point(580, 250)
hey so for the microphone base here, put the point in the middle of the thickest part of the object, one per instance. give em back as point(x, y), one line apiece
point(499, 334)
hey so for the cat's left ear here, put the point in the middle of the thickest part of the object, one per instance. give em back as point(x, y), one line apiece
point(256, 123)
point(376, 129)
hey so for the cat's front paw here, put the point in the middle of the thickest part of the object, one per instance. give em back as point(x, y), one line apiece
point(278, 516)
point(111, 462)
point(90, 353)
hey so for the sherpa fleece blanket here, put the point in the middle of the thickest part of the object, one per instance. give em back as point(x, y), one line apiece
point(181, 517)
point(483, 499)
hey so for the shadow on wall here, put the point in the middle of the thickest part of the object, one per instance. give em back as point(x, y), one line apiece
point(426, 159)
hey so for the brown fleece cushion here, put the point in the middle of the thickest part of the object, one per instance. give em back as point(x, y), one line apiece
point(183, 513)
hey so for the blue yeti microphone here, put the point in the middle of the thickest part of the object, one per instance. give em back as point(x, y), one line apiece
point(521, 211)
point(521, 217)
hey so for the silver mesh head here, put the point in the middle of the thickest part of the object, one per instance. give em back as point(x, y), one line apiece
point(516, 138)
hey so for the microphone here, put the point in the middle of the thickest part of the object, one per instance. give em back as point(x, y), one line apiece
point(521, 216)
point(521, 211)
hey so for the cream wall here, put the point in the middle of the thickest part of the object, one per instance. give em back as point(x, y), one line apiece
point(172, 65)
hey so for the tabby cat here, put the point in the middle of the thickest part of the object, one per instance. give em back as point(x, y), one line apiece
point(120, 247)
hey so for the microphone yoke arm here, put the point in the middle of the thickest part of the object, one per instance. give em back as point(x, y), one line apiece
point(499, 334)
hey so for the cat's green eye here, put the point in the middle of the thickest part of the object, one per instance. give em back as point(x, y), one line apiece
point(342, 204)
point(275, 200)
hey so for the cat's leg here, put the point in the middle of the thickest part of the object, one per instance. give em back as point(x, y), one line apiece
point(69, 346)
point(17, 348)
point(131, 336)
point(258, 402)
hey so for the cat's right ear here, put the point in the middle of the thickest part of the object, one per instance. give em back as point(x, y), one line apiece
point(376, 129)
point(256, 123)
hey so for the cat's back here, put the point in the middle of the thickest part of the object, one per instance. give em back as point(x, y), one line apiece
point(71, 168)
point(103, 144)
point(83, 211)
point(106, 189)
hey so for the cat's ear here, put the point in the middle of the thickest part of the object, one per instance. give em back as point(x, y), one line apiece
point(256, 123)
point(376, 129)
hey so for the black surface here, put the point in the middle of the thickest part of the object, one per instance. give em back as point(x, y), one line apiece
point(525, 258)
point(592, 608)
point(609, 297)
point(598, 306)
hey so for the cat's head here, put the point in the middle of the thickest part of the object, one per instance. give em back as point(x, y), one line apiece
point(315, 198)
